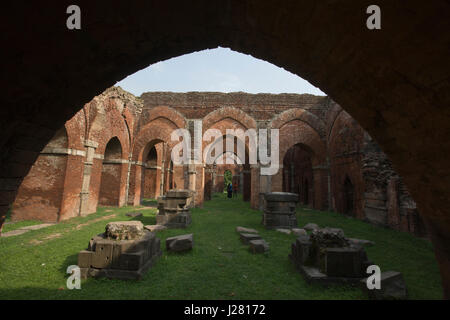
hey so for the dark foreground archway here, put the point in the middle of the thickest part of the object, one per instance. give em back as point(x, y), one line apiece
point(394, 81)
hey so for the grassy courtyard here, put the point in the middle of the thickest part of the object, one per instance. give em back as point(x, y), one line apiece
point(33, 265)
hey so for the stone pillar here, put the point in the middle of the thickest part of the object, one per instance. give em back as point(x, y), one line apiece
point(91, 146)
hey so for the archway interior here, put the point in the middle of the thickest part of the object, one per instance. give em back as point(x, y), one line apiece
point(157, 173)
point(110, 184)
point(298, 173)
point(229, 166)
point(152, 175)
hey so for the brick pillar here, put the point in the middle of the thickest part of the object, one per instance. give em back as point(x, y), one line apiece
point(178, 176)
point(277, 181)
point(393, 208)
point(163, 169)
point(320, 176)
point(254, 196)
point(73, 183)
point(91, 146)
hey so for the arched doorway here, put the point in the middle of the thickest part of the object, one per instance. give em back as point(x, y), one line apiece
point(298, 173)
point(110, 184)
point(151, 178)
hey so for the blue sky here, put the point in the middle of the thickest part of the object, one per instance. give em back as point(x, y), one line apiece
point(218, 69)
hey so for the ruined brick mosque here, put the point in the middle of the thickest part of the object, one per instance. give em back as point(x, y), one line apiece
point(116, 151)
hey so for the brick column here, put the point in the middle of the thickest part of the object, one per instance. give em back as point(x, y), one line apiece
point(277, 181)
point(320, 176)
point(91, 146)
point(163, 169)
point(254, 196)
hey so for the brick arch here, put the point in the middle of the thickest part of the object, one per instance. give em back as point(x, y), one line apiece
point(109, 123)
point(346, 137)
point(168, 113)
point(298, 132)
point(209, 144)
point(233, 113)
point(299, 114)
point(156, 131)
point(394, 86)
point(160, 129)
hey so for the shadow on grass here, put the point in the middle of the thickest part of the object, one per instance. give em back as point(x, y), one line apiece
point(150, 203)
point(69, 261)
point(146, 220)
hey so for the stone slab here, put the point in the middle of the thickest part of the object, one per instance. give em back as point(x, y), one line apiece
point(155, 227)
point(310, 226)
point(245, 230)
point(134, 214)
point(299, 232)
point(247, 237)
point(360, 242)
point(258, 246)
point(285, 231)
point(180, 243)
point(392, 287)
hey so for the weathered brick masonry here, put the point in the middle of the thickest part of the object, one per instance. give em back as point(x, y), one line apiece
point(117, 150)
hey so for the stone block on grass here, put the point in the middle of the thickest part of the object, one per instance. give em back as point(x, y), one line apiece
point(392, 287)
point(299, 232)
point(155, 227)
point(180, 243)
point(285, 231)
point(310, 226)
point(245, 230)
point(247, 237)
point(258, 246)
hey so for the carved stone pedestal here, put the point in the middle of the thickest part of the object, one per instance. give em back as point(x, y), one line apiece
point(279, 211)
point(174, 209)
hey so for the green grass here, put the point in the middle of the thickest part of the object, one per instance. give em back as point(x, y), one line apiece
point(219, 266)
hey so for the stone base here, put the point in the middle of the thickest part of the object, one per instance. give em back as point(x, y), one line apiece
point(279, 221)
point(174, 221)
point(120, 274)
point(313, 275)
point(392, 287)
point(122, 259)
